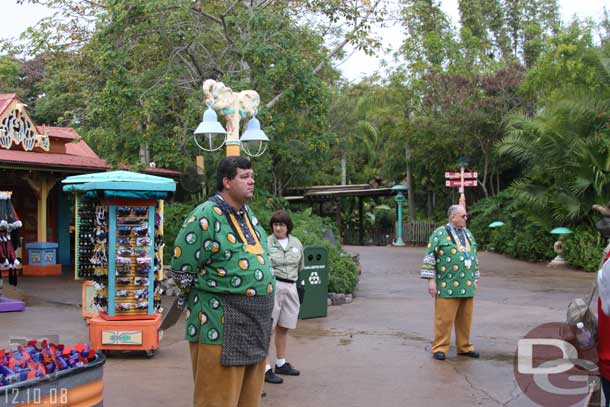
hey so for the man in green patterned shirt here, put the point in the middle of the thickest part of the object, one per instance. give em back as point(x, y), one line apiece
point(451, 267)
point(220, 263)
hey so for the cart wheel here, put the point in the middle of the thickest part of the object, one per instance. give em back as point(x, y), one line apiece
point(150, 353)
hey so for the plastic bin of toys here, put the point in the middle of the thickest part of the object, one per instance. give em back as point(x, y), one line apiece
point(79, 383)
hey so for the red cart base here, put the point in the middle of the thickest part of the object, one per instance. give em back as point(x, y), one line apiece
point(129, 335)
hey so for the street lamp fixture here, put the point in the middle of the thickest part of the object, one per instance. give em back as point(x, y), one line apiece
point(211, 131)
point(399, 200)
point(234, 106)
point(254, 140)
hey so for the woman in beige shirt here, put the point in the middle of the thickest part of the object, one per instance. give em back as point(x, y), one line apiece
point(287, 261)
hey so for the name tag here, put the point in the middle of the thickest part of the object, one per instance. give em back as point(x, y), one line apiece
point(468, 262)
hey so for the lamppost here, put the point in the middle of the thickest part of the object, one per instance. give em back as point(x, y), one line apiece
point(559, 260)
point(399, 200)
point(234, 106)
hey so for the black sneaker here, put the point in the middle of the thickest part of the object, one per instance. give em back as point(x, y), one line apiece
point(286, 369)
point(271, 377)
point(472, 354)
point(439, 355)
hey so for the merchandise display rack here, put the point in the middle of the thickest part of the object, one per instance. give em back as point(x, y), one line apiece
point(125, 278)
point(119, 232)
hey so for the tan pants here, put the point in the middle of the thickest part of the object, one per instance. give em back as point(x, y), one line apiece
point(224, 386)
point(448, 311)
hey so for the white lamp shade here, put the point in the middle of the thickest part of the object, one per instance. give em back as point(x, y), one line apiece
point(209, 125)
point(253, 132)
point(211, 130)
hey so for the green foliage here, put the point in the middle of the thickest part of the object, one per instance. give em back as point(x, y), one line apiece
point(9, 74)
point(521, 236)
point(127, 74)
point(564, 150)
point(174, 214)
point(568, 58)
point(384, 216)
point(343, 270)
point(584, 248)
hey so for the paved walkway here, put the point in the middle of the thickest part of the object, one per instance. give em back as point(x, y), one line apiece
point(373, 352)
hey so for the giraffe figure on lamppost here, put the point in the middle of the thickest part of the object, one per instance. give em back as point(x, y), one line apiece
point(234, 106)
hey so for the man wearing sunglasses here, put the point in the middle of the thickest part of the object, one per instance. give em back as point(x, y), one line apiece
point(452, 270)
point(221, 265)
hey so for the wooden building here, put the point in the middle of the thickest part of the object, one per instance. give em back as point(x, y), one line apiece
point(33, 161)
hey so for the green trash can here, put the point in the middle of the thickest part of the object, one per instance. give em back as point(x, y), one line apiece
point(315, 279)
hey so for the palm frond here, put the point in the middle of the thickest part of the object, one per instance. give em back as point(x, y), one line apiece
point(533, 194)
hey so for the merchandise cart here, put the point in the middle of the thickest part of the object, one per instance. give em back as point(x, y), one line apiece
point(119, 240)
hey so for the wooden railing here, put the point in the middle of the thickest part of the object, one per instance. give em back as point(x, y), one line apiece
point(416, 233)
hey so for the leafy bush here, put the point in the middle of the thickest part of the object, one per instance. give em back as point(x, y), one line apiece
point(528, 242)
point(522, 237)
point(584, 248)
point(343, 270)
point(385, 216)
point(174, 214)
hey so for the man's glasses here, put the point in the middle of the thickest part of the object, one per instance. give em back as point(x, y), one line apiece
point(464, 216)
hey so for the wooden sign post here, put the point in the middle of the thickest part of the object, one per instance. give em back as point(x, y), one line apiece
point(461, 180)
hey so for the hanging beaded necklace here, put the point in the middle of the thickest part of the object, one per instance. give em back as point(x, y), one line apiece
point(464, 249)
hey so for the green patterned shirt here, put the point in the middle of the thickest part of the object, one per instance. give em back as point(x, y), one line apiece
point(212, 258)
point(447, 262)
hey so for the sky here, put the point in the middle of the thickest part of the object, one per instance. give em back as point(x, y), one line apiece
point(16, 18)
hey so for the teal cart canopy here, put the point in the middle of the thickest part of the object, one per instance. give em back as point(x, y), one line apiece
point(121, 184)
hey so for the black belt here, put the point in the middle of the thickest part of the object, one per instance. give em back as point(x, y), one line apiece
point(285, 280)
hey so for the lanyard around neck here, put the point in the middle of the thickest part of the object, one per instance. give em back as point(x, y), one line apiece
point(458, 243)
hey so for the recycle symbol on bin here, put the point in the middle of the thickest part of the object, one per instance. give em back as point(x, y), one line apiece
point(314, 278)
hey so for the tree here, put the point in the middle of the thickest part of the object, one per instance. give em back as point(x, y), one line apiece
point(429, 37)
point(565, 152)
point(570, 57)
point(9, 74)
point(128, 73)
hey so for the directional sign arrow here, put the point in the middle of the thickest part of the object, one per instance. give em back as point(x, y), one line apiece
point(458, 175)
point(458, 183)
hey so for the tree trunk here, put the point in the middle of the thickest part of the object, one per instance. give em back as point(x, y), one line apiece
point(338, 219)
point(491, 185)
point(360, 221)
point(483, 182)
point(144, 154)
point(343, 170)
point(410, 191)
